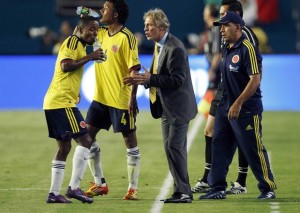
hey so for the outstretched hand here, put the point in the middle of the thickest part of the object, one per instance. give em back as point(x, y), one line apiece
point(137, 78)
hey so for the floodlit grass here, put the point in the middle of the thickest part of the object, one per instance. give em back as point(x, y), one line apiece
point(26, 153)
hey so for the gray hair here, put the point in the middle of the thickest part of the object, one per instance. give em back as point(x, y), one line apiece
point(159, 18)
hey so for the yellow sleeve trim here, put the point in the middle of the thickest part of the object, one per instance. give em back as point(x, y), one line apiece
point(131, 38)
point(73, 43)
point(253, 58)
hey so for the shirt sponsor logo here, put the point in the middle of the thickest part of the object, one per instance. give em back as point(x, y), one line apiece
point(233, 69)
point(235, 59)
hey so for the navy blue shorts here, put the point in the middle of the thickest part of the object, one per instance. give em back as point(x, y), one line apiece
point(65, 124)
point(102, 117)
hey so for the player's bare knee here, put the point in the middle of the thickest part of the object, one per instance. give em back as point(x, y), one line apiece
point(85, 141)
point(93, 132)
point(130, 138)
point(63, 150)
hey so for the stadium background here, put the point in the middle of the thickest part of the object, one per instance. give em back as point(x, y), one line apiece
point(26, 72)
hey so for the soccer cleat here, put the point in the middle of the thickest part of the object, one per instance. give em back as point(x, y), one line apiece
point(79, 195)
point(236, 188)
point(200, 187)
point(52, 198)
point(266, 195)
point(213, 195)
point(131, 195)
point(96, 190)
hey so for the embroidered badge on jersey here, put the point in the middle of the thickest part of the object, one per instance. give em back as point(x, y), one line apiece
point(115, 48)
point(235, 59)
point(83, 124)
point(234, 68)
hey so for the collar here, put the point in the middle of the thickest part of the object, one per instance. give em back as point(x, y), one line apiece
point(162, 41)
point(81, 40)
point(239, 41)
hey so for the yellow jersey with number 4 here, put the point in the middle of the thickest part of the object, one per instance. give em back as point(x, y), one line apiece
point(122, 54)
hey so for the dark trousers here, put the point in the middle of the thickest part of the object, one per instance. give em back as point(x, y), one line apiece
point(175, 144)
point(245, 132)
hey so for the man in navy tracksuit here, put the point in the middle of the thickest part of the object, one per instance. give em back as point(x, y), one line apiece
point(239, 114)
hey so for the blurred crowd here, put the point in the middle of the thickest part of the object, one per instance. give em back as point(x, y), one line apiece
point(256, 12)
point(50, 39)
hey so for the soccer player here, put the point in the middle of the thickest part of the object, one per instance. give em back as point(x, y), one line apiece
point(115, 103)
point(239, 186)
point(239, 112)
point(63, 118)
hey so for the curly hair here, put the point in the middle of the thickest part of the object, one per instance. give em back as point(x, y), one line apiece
point(121, 8)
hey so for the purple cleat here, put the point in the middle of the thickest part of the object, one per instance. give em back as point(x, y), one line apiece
point(78, 194)
point(52, 198)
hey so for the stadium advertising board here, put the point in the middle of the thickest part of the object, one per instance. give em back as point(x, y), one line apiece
point(25, 79)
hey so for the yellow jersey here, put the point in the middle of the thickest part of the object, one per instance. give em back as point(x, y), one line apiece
point(122, 54)
point(65, 86)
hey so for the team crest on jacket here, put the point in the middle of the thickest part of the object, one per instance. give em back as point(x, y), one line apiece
point(235, 59)
point(115, 48)
point(82, 124)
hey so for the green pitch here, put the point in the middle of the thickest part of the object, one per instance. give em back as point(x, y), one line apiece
point(25, 168)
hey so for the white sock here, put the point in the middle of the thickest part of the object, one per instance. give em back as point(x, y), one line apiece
point(133, 167)
point(95, 164)
point(80, 158)
point(58, 172)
